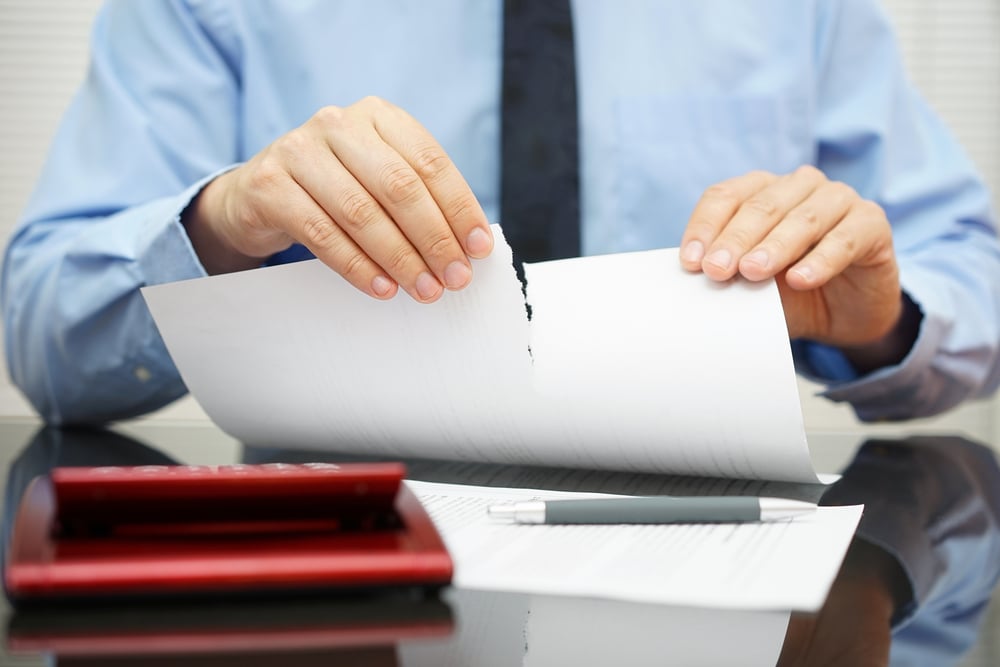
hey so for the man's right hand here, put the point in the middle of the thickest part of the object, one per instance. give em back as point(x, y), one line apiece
point(853, 627)
point(366, 188)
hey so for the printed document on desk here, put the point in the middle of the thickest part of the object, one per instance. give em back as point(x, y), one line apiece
point(787, 564)
point(629, 363)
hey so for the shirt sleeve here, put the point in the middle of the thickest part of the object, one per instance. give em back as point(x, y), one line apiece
point(877, 134)
point(104, 219)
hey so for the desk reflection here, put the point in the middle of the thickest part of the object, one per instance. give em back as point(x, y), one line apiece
point(932, 506)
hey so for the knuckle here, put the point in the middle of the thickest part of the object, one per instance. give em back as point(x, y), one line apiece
point(807, 216)
point(439, 245)
point(883, 251)
point(810, 172)
point(760, 176)
point(291, 145)
point(268, 175)
point(373, 107)
point(430, 163)
point(842, 191)
point(354, 267)
point(330, 116)
point(764, 206)
point(721, 193)
point(841, 241)
point(359, 210)
point(873, 210)
point(319, 232)
point(401, 184)
point(398, 260)
point(372, 102)
point(462, 207)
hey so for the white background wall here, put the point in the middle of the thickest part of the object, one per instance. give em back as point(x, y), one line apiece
point(952, 48)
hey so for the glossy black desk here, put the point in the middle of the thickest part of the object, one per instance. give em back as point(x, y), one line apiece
point(460, 627)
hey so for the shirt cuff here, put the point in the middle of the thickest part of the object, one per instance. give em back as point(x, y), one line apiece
point(892, 393)
point(167, 255)
point(822, 363)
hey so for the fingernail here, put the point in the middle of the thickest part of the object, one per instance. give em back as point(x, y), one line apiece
point(758, 257)
point(805, 272)
point(693, 252)
point(720, 258)
point(427, 286)
point(381, 285)
point(479, 243)
point(457, 275)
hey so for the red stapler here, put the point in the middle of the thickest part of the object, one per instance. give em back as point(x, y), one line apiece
point(86, 533)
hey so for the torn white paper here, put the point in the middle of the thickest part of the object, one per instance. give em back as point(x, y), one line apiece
point(635, 364)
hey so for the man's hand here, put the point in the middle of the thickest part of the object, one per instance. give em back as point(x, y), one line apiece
point(830, 251)
point(366, 188)
point(853, 628)
point(850, 631)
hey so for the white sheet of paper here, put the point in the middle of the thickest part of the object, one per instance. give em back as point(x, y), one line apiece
point(545, 630)
point(634, 364)
point(607, 632)
point(773, 565)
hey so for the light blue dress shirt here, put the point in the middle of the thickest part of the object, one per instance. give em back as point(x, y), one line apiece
point(674, 96)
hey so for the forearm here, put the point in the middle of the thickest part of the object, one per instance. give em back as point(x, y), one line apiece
point(891, 349)
point(853, 626)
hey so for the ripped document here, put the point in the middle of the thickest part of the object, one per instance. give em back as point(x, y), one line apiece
point(628, 363)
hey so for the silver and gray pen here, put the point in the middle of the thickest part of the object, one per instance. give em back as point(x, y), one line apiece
point(652, 509)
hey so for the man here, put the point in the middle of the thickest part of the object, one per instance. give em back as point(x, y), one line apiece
point(767, 139)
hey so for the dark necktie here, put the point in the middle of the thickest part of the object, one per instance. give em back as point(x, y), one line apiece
point(540, 182)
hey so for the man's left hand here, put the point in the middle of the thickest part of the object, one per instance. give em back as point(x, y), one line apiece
point(830, 251)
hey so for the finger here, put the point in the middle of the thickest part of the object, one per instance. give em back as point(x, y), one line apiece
point(755, 218)
point(400, 192)
point(716, 207)
point(455, 199)
point(353, 213)
point(862, 238)
point(799, 231)
point(307, 222)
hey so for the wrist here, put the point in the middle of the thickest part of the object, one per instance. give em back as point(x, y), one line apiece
point(893, 347)
point(872, 573)
point(206, 224)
